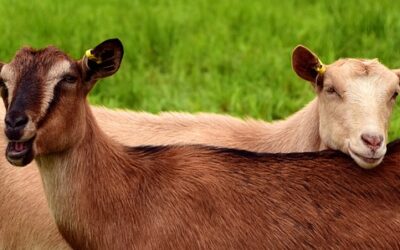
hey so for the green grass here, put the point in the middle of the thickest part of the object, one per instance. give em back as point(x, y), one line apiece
point(225, 56)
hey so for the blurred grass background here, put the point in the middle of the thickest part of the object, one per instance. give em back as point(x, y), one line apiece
point(225, 56)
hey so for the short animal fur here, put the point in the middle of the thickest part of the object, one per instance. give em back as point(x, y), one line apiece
point(181, 196)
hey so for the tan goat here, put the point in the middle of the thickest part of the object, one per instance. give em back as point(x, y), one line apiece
point(104, 195)
point(351, 113)
point(301, 132)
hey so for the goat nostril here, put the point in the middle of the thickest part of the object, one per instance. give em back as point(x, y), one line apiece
point(16, 121)
point(21, 121)
point(372, 141)
point(8, 122)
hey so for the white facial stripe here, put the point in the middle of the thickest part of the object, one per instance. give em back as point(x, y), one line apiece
point(372, 90)
point(8, 75)
point(364, 109)
point(53, 77)
point(29, 130)
point(364, 90)
point(371, 96)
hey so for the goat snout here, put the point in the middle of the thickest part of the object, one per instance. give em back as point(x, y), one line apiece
point(372, 141)
point(15, 123)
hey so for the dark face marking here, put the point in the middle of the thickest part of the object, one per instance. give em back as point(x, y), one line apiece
point(34, 88)
point(27, 92)
point(30, 69)
point(43, 92)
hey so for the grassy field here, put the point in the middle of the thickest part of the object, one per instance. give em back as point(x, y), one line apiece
point(225, 56)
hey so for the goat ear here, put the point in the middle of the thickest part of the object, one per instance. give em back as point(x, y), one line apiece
point(102, 61)
point(307, 65)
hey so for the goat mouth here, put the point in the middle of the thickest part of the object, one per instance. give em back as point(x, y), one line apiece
point(370, 162)
point(20, 153)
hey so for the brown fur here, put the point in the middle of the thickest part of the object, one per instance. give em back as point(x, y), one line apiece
point(104, 195)
point(164, 129)
point(25, 220)
point(185, 197)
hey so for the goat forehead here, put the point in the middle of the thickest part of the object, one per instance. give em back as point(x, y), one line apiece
point(369, 88)
point(360, 66)
point(37, 61)
point(356, 72)
point(357, 67)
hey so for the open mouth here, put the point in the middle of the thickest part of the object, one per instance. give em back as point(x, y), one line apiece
point(371, 161)
point(20, 153)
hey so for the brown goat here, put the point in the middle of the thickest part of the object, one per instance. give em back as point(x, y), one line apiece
point(310, 129)
point(25, 219)
point(181, 196)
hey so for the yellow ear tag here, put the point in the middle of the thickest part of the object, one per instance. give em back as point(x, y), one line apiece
point(321, 68)
point(92, 57)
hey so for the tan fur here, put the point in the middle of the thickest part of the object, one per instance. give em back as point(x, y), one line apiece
point(25, 220)
point(297, 133)
point(8, 75)
point(366, 88)
point(52, 79)
point(355, 102)
point(19, 230)
point(185, 197)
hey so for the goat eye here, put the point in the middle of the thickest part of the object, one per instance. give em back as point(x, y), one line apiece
point(394, 96)
point(3, 89)
point(69, 79)
point(2, 84)
point(331, 90)
point(3, 92)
